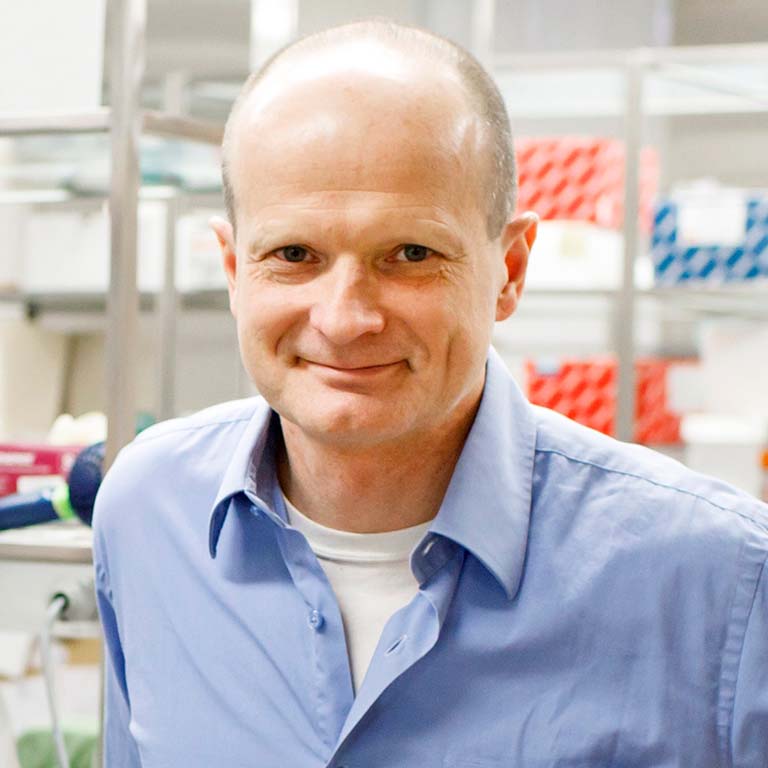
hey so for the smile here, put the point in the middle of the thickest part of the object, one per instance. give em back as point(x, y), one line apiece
point(349, 371)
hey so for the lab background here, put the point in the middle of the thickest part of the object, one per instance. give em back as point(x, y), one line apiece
point(642, 142)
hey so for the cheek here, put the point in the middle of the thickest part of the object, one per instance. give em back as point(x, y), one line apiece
point(429, 315)
point(452, 312)
point(469, 327)
point(483, 298)
point(265, 317)
point(472, 304)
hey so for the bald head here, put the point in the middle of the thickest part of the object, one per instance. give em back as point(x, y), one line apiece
point(430, 67)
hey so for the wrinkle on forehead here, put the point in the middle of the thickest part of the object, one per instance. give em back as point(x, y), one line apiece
point(364, 208)
point(301, 120)
point(351, 199)
point(356, 213)
point(345, 140)
point(322, 110)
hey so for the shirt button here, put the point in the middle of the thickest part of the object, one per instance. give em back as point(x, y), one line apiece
point(316, 620)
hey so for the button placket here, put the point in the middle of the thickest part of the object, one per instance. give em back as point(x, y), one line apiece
point(332, 693)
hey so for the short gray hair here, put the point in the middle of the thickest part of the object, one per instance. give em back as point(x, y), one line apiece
point(478, 84)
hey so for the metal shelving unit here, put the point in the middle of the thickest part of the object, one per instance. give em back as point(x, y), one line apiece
point(153, 122)
point(751, 301)
point(60, 122)
point(632, 87)
point(125, 121)
point(625, 87)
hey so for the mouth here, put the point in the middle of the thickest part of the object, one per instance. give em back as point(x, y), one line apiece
point(353, 369)
point(338, 374)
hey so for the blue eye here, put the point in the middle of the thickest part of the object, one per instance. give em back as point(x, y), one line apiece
point(294, 253)
point(413, 252)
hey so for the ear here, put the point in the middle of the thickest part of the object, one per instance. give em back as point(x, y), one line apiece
point(224, 234)
point(517, 240)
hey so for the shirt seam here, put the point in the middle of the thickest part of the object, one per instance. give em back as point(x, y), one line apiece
point(650, 481)
point(741, 608)
point(141, 439)
point(102, 577)
point(99, 558)
point(728, 725)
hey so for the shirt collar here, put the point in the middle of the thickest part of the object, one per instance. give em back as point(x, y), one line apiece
point(486, 508)
point(250, 469)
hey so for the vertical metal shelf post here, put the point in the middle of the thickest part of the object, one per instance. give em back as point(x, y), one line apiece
point(483, 28)
point(624, 311)
point(127, 72)
point(167, 312)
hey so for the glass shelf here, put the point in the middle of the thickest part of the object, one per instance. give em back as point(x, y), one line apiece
point(79, 164)
point(687, 81)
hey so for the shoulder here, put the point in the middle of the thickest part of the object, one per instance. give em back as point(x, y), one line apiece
point(182, 456)
point(197, 435)
point(638, 483)
point(222, 417)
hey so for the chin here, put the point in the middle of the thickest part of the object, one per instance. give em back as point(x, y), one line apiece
point(347, 423)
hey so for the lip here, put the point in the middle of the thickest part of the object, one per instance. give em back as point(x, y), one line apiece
point(353, 370)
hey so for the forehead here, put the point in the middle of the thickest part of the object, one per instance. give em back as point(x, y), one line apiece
point(392, 127)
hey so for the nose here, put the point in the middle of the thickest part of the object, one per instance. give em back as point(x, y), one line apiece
point(347, 306)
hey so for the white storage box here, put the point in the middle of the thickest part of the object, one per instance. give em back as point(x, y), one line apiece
point(572, 255)
point(734, 366)
point(726, 447)
point(66, 249)
point(198, 257)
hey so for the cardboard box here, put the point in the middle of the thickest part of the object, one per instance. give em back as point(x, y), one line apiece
point(581, 178)
point(24, 468)
point(585, 391)
point(711, 236)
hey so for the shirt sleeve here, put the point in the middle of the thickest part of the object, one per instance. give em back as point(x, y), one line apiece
point(749, 735)
point(120, 750)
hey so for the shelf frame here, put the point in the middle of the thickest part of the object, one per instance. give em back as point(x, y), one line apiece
point(635, 66)
point(153, 122)
point(23, 124)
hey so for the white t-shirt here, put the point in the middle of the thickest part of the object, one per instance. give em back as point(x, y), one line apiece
point(371, 576)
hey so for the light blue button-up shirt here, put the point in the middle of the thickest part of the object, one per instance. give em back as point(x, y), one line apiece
point(582, 603)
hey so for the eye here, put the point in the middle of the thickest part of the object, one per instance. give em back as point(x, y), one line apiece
point(413, 252)
point(294, 254)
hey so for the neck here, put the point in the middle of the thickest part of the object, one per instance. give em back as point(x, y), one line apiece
point(375, 489)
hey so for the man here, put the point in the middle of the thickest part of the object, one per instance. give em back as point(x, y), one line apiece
point(393, 559)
